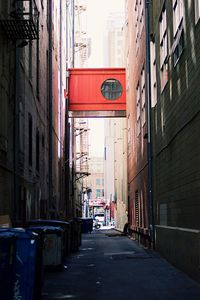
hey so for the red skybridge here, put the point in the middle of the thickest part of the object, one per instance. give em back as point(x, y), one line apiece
point(98, 92)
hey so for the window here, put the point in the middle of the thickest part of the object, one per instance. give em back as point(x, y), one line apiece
point(177, 15)
point(197, 10)
point(30, 132)
point(97, 181)
point(163, 48)
point(143, 110)
point(98, 193)
point(153, 74)
point(37, 150)
point(138, 108)
point(137, 23)
point(111, 89)
point(42, 4)
point(139, 20)
point(178, 44)
point(129, 134)
point(141, 16)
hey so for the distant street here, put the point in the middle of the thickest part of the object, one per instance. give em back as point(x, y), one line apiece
point(110, 266)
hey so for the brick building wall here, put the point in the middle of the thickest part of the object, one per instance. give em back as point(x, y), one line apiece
point(24, 126)
point(137, 119)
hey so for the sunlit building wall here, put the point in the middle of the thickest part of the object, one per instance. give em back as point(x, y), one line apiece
point(137, 120)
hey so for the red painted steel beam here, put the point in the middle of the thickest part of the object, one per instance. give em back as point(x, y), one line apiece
point(84, 91)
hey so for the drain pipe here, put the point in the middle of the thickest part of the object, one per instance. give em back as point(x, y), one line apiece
point(15, 139)
point(149, 136)
point(50, 109)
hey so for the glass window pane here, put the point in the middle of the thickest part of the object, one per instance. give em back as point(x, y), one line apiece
point(111, 89)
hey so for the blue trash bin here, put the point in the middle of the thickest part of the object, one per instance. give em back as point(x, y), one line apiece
point(24, 264)
point(7, 257)
point(86, 225)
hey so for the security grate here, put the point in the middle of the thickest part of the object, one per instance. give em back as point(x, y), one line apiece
point(136, 208)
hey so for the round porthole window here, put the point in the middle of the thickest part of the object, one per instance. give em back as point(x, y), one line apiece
point(111, 89)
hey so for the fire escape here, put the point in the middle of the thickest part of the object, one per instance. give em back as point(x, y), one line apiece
point(82, 152)
point(21, 21)
point(81, 41)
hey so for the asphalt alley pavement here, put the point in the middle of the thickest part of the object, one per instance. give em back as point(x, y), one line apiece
point(110, 266)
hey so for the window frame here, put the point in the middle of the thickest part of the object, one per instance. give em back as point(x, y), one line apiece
point(163, 47)
point(138, 112)
point(129, 134)
point(98, 192)
point(153, 73)
point(111, 89)
point(143, 98)
point(98, 181)
point(141, 15)
point(197, 11)
point(178, 30)
point(137, 24)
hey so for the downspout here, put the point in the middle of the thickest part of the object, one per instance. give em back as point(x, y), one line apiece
point(68, 173)
point(73, 25)
point(72, 122)
point(50, 110)
point(60, 206)
point(15, 137)
point(149, 137)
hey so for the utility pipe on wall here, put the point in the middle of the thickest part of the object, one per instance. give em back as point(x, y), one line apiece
point(149, 137)
point(50, 110)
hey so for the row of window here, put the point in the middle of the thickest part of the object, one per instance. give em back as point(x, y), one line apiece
point(177, 47)
point(99, 181)
point(139, 24)
point(178, 36)
point(99, 193)
point(140, 102)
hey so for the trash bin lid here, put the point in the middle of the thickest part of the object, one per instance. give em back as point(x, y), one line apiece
point(6, 234)
point(79, 219)
point(23, 233)
point(46, 229)
point(48, 222)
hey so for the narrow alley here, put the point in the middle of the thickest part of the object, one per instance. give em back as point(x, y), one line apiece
point(100, 118)
point(110, 265)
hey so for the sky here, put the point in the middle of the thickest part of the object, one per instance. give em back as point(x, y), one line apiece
point(97, 13)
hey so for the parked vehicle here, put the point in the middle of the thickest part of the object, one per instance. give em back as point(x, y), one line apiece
point(100, 217)
point(97, 224)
